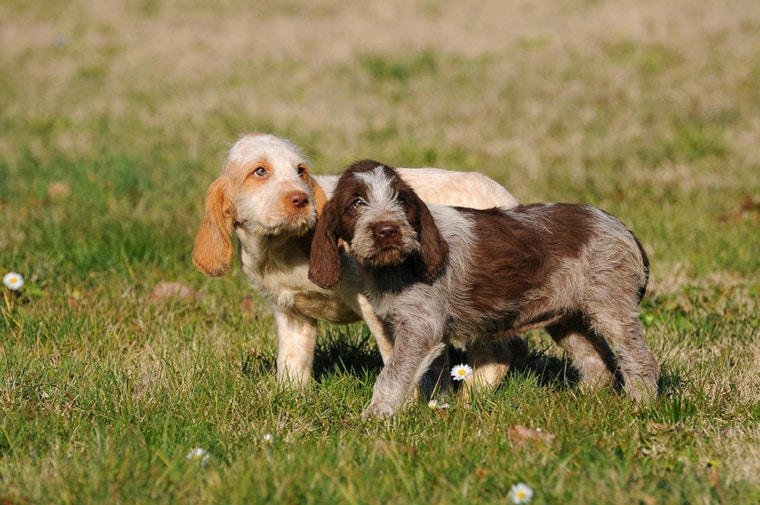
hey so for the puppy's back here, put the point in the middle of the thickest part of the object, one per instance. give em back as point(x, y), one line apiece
point(516, 250)
point(459, 189)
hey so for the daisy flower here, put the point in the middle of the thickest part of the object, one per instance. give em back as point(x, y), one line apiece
point(434, 405)
point(13, 281)
point(461, 372)
point(198, 454)
point(520, 493)
point(268, 438)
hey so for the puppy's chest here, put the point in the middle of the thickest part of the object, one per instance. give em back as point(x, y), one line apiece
point(415, 302)
point(290, 288)
point(322, 306)
point(453, 314)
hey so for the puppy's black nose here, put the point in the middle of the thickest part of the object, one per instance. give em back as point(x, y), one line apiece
point(385, 230)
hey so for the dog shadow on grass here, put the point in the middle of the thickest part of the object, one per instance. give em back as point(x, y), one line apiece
point(549, 371)
point(358, 356)
point(558, 372)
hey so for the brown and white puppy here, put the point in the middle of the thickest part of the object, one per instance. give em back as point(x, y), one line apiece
point(443, 274)
point(267, 195)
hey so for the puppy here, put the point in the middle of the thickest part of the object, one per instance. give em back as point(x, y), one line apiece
point(268, 197)
point(447, 274)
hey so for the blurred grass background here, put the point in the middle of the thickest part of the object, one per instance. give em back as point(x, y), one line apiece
point(115, 116)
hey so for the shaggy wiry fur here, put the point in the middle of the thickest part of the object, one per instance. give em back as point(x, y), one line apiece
point(439, 274)
point(267, 195)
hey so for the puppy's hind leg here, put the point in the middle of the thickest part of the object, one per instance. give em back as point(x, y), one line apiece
point(491, 360)
point(589, 353)
point(636, 362)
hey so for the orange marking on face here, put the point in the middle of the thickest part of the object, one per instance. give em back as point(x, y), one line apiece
point(254, 178)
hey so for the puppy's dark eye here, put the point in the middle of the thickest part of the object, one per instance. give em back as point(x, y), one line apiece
point(358, 202)
point(301, 171)
point(260, 172)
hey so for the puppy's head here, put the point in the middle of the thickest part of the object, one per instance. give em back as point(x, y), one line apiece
point(381, 220)
point(265, 188)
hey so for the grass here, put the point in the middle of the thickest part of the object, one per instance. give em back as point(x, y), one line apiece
point(116, 116)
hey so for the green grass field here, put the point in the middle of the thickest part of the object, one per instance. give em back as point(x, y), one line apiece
point(115, 116)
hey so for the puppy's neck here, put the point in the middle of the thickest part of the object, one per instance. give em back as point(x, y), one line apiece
point(391, 279)
point(260, 253)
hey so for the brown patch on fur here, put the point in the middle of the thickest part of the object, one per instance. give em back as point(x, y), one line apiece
point(523, 257)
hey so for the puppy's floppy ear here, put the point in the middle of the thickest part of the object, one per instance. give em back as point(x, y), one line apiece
point(324, 259)
point(434, 248)
point(212, 253)
point(320, 197)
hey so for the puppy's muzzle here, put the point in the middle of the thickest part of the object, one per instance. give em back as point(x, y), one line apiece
point(298, 199)
point(385, 233)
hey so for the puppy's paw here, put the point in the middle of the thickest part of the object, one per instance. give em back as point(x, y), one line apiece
point(377, 411)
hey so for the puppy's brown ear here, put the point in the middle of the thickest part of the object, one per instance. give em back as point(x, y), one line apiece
point(434, 248)
point(324, 259)
point(212, 253)
point(320, 198)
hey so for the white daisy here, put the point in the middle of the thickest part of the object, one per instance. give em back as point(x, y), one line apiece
point(434, 405)
point(268, 438)
point(198, 454)
point(461, 372)
point(520, 493)
point(13, 281)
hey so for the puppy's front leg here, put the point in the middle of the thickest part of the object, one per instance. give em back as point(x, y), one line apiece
point(434, 381)
point(296, 340)
point(413, 353)
point(378, 328)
